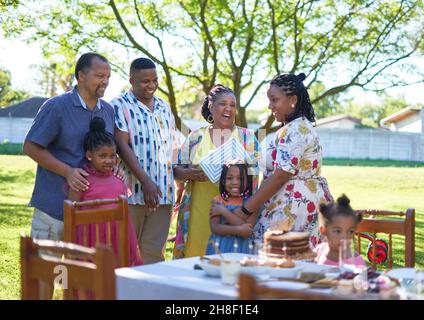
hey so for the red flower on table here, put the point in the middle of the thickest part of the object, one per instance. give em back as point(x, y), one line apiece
point(294, 161)
point(297, 195)
point(310, 207)
point(315, 164)
point(274, 154)
point(290, 187)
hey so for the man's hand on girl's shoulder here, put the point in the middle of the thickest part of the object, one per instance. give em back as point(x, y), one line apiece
point(119, 173)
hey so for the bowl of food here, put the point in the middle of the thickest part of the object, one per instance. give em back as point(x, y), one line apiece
point(283, 268)
point(212, 267)
point(252, 266)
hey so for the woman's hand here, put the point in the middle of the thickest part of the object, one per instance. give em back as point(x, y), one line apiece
point(240, 213)
point(244, 230)
point(195, 173)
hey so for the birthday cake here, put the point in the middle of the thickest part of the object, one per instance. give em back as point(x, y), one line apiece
point(286, 243)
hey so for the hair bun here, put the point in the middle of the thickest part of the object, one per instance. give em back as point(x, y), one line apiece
point(323, 208)
point(301, 76)
point(343, 200)
point(97, 125)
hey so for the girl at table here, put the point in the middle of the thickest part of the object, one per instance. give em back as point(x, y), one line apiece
point(229, 232)
point(337, 221)
point(100, 149)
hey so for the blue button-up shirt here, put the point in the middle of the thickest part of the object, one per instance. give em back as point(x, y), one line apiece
point(60, 126)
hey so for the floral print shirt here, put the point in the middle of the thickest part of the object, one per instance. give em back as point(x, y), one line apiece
point(295, 149)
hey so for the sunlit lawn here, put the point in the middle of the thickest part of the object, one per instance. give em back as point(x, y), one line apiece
point(391, 188)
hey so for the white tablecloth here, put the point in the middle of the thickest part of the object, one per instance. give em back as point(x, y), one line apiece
point(171, 280)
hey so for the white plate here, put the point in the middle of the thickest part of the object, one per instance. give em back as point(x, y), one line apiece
point(287, 285)
point(210, 269)
point(284, 272)
point(255, 270)
point(313, 267)
point(402, 273)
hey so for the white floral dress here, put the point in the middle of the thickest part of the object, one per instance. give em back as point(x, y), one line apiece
point(295, 149)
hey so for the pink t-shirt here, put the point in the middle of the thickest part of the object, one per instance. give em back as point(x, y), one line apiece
point(107, 186)
point(103, 186)
point(322, 256)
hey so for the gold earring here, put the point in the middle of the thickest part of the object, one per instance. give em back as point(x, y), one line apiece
point(210, 118)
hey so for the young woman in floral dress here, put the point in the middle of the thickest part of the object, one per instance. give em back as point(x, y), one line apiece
point(293, 187)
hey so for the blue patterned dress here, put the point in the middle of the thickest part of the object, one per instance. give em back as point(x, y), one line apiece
point(227, 243)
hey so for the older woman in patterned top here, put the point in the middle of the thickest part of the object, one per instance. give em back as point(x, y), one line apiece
point(219, 109)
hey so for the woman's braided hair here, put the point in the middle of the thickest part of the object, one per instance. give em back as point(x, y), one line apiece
point(98, 136)
point(213, 95)
point(291, 85)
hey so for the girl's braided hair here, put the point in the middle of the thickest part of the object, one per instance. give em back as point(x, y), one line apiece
point(98, 136)
point(291, 85)
point(245, 178)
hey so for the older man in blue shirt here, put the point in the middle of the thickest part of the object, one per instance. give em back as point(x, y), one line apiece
point(55, 142)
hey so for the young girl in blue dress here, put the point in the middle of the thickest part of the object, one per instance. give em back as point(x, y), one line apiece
point(230, 233)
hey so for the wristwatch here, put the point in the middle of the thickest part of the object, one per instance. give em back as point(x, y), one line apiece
point(245, 211)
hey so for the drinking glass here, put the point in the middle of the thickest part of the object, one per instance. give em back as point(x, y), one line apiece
point(418, 284)
point(347, 256)
point(230, 270)
point(251, 248)
point(257, 247)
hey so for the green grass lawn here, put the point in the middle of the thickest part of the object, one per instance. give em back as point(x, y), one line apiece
point(387, 185)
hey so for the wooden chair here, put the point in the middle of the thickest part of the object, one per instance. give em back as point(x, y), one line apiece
point(45, 261)
point(404, 226)
point(85, 213)
point(251, 289)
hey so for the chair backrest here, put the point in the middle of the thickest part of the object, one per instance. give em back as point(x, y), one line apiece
point(251, 289)
point(44, 262)
point(88, 212)
point(378, 221)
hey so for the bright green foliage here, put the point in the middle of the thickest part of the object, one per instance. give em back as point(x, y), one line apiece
point(9, 96)
point(241, 43)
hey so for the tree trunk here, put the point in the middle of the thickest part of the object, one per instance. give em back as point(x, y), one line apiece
point(241, 117)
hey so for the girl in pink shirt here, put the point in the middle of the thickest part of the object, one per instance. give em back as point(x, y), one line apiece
point(100, 149)
point(337, 221)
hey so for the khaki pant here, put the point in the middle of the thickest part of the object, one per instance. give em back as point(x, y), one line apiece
point(152, 230)
point(45, 227)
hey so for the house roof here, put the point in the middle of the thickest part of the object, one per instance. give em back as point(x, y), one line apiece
point(400, 115)
point(337, 118)
point(24, 109)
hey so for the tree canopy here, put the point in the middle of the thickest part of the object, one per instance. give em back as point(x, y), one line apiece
point(240, 43)
point(8, 95)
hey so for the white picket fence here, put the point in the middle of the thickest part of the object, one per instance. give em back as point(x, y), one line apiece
point(371, 144)
point(14, 130)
